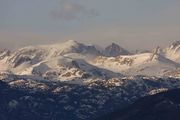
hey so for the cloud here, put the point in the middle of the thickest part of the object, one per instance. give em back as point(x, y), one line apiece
point(71, 10)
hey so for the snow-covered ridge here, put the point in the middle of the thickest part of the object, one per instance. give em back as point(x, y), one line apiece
point(64, 61)
point(35, 54)
point(72, 60)
point(42, 52)
point(137, 64)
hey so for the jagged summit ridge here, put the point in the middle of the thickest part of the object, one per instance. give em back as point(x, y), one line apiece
point(115, 50)
point(173, 51)
point(175, 44)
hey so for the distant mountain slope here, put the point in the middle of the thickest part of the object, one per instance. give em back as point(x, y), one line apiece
point(162, 106)
point(34, 99)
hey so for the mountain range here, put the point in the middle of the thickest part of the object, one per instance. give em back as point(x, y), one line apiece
point(75, 81)
point(72, 60)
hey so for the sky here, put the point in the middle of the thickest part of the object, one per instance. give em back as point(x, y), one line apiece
point(133, 24)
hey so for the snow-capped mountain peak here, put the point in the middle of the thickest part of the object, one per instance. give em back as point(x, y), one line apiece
point(72, 42)
point(115, 50)
point(35, 54)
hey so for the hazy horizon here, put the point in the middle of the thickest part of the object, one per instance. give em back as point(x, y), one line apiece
point(137, 24)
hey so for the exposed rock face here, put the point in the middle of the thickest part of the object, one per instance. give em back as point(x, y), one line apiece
point(114, 50)
point(175, 45)
point(4, 54)
point(173, 51)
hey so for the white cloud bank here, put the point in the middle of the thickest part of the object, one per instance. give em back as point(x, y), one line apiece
point(71, 10)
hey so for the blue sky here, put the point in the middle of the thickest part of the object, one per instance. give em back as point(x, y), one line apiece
point(135, 24)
